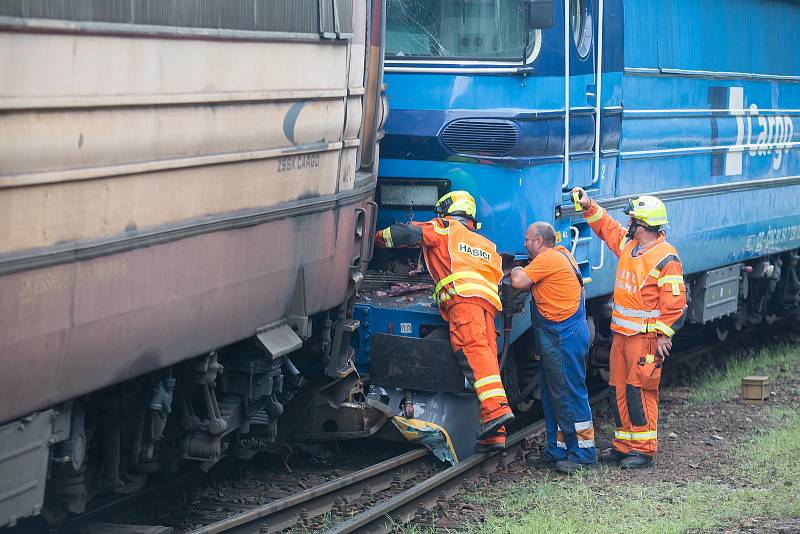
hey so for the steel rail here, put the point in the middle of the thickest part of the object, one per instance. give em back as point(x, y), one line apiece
point(280, 514)
point(385, 516)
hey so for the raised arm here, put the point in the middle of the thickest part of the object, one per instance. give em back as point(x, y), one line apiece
point(602, 223)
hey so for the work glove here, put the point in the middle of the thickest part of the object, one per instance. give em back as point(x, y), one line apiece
point(513, 299)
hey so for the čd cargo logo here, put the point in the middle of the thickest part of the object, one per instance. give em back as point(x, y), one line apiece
point(756, 135)
point(474, 251)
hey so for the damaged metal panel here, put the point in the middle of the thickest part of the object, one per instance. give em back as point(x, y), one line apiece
point(413, 363)
point(454, 415)
point(348, 420)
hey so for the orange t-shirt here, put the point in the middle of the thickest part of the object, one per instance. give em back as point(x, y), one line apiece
point(555, 289)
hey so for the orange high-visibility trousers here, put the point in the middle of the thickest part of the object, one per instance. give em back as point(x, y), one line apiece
point(633, 389)
point(474, 341)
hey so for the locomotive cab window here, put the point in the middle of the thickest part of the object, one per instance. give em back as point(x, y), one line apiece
point(581, 22)
point(474, 29)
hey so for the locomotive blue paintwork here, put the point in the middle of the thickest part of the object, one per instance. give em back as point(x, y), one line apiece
point(700, 106)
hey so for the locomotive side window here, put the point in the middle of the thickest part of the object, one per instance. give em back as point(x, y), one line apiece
point(581, 22)
point(475, 29)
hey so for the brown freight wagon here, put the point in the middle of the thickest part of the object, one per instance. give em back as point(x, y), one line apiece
point(185, 209)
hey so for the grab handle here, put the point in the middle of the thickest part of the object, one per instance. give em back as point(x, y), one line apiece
point(373, 222)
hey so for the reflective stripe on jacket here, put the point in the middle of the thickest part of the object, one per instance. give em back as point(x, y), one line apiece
point(629, 315)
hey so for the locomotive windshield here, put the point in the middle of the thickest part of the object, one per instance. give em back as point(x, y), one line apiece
point(474, 29)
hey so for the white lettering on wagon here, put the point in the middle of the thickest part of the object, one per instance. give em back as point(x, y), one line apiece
point(773, 239)
point(758, 135)
point(298, 163)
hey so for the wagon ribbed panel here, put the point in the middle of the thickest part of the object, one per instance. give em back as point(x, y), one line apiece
point(297, 16)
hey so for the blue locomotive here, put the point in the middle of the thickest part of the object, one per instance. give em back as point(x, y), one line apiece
point(696, 102)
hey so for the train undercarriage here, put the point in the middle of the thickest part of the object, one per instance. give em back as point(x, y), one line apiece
point(237, 401)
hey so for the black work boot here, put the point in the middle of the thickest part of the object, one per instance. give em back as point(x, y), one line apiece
point(612, 456)
point(489, 428)
point(540, 462)
point(568, 467)
point(636, 461)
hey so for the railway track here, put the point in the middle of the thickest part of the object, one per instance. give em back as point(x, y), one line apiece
point(374, 499)
point(405, 501)
point(416, 503)
point(334, 495)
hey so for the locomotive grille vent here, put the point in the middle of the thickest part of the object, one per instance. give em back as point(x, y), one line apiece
point(482, 137)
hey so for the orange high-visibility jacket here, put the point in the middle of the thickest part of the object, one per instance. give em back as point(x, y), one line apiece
point(475, 266)
point(649, 292)
point(462, 262)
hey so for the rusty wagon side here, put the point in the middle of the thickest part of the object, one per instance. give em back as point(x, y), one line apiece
point(175, 177)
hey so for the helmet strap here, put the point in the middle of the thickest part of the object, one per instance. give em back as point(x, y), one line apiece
point(632, 229)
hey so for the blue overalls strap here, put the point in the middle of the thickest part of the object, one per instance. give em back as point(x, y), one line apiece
point(539, 320)
point(574, 269)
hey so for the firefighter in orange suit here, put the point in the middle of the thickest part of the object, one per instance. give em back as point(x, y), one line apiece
point(649, 299)
point(467, 270)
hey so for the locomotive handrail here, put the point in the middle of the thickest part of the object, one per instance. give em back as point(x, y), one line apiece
point(597, 175)
point(598, 94)
point(576, 237)
point(602, 257)
point(567, 51)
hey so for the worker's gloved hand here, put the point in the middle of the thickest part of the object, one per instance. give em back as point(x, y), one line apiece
point(513, 299)
point(581, 198)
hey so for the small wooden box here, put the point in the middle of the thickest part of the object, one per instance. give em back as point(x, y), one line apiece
point(755, 389)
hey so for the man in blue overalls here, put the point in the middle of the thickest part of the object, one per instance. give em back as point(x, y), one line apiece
point(562, 336)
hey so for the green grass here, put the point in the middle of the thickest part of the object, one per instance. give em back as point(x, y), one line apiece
point(587, 503)
point(568, 506)
point(719, 384)
point(774, 454)
point(416, 529)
